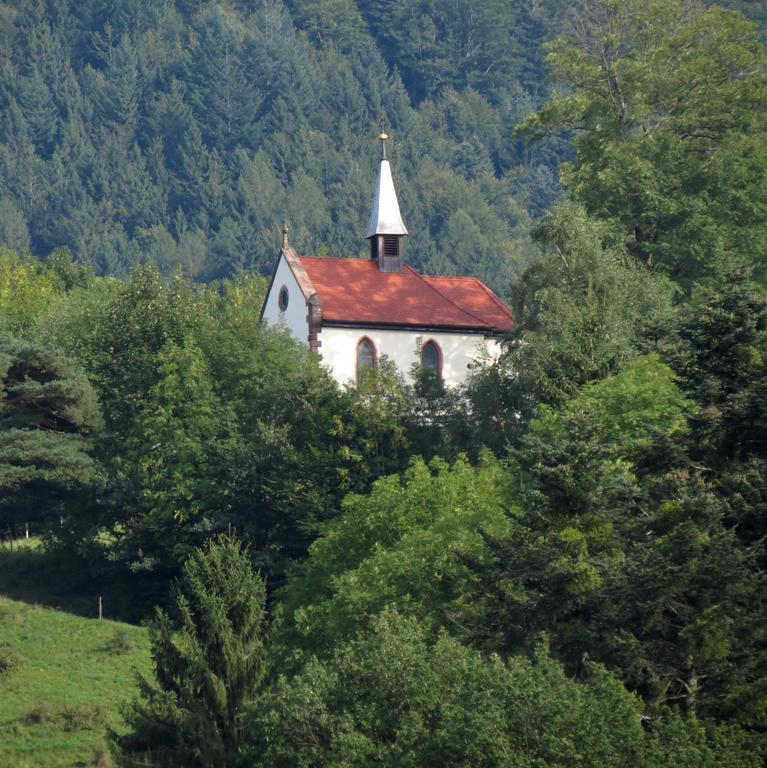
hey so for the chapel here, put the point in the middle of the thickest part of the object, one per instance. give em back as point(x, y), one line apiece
point(354, 311)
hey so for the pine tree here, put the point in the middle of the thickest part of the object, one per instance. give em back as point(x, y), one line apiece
point(48, 410)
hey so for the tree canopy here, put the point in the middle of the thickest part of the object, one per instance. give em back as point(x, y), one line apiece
point(208, 669)
point(666, 108)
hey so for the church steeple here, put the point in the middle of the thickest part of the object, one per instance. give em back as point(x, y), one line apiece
point(385, 228)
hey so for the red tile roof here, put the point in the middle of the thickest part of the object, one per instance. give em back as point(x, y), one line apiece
point(472, 293)
point(356, 291)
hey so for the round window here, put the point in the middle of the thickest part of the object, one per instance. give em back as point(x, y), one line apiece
point(282, 300)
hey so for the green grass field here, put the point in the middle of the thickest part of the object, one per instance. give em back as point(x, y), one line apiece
point(63, 680)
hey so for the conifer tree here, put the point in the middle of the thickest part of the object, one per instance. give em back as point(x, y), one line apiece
point(48, 410)
point(207, 670)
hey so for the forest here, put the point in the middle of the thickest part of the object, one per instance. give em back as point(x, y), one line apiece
point(562, 562)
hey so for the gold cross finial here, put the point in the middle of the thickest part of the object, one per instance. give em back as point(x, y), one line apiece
point(285, 236)
point(382, 137)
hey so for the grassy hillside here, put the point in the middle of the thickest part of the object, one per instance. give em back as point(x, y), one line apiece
point(62, 681)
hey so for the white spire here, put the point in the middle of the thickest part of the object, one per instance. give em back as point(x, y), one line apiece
point(385, 218)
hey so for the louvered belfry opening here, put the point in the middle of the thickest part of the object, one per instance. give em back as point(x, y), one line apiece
point(387, 251)
point(390, 246)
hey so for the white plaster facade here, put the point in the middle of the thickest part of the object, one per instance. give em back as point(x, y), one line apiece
point(460, 352)
point(294, 316)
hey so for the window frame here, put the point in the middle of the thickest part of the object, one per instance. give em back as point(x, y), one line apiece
point(440, 358)
point(283, 292)
point(374, 350)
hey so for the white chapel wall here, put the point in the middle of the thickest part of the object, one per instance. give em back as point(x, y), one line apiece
point(459, 351)
point(294, 316)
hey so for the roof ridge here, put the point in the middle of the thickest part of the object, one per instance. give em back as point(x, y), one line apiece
point(364, 259)
point(491, 294)
point(424, 279)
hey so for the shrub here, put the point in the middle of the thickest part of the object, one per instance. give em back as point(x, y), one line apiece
point(121, 642)
point(40, 714)
point(10, 661)
point(80, 717)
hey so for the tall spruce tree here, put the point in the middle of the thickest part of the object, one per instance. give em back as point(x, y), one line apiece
point(208, 666)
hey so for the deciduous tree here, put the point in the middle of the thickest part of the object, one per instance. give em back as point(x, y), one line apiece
point(665, 102)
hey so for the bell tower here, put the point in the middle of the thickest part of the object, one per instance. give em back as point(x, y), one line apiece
point(386, 229)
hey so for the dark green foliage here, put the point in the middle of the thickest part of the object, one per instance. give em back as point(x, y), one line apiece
point(435, 44)
point(400, 545)
point(209, 666)
point(48, 414)
point(584, 307)
point(720, 351)
point(392, 696)
point(147, 314)
point(178, 456)
point(14, 232)
point(185, 134)
point(303, 444)
point(719, 348)
point(582, 310)
point(624, 549)
point(43, 390)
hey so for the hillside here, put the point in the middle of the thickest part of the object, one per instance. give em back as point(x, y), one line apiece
point(62, 682)
point(185, 134)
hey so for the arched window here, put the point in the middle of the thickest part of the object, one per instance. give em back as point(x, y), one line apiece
point(366, 356)
point(431, 357)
